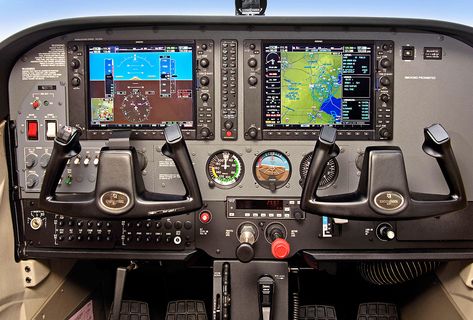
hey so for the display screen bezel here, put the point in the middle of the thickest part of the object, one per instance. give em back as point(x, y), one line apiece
point(311, 42)
point(147, 127)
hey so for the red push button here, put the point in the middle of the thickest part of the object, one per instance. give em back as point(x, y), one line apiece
point(32, 129)
point(36, 104)
point(205, 216)
point(228, 134)
point(280, 248)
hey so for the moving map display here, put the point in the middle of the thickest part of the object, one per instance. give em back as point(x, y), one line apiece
point(141, 86)
point(313, 84)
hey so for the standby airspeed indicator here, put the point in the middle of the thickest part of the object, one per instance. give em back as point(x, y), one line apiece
point(225, 169)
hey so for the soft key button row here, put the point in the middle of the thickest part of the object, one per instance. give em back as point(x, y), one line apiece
point(229, 89)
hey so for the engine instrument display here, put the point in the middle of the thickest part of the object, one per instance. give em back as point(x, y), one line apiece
point(225, 169)
point(308, 85)
point(141, 86)
point(330, 172)
point(272, 169)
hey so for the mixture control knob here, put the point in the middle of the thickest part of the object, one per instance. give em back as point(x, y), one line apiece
point(385, 63)
point(384, 97)
point(31, 160)
point(385, 81)
point(31, 180)
point(252, 132)
point(75, 64)
point(228, 124)
point(205, 132)
point(252, 62)
point(252, 81)
point(384, 133)
point(245, 252)
point(280, 248)
point(204, 81)
point(385, 232)
point(204, 63)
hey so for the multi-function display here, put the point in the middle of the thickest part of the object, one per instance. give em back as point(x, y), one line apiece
point(141, 86)
point(307, 85)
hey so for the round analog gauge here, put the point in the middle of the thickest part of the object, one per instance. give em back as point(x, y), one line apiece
point(272, 169)
point(136, 107)
point(225, 169)
point(330, 172)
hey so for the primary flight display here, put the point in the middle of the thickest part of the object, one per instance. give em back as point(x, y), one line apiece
point(141, 85)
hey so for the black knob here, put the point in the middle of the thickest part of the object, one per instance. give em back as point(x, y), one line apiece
point(178, 225)
point(205, 132)
point(384, 97)
point(252, 132)
point(385, 232)
point(252, 62)
point(204, 97)
point(168, 224)
point(385, 63)
point(75, 82)
point(245, 252)
point(204, 81)
point(298, 215)
point(252, 46)
point(252, 81)
point(228, 124)
point(384, 133)
point(204, 46)
point(204, 63)
point(385, 81)
point(75, 64)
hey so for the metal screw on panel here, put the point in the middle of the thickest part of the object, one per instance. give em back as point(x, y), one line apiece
point(342, 150)
point(27, 269)
point(28, 280)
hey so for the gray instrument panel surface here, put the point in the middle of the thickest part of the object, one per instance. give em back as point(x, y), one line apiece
point(426, 91)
